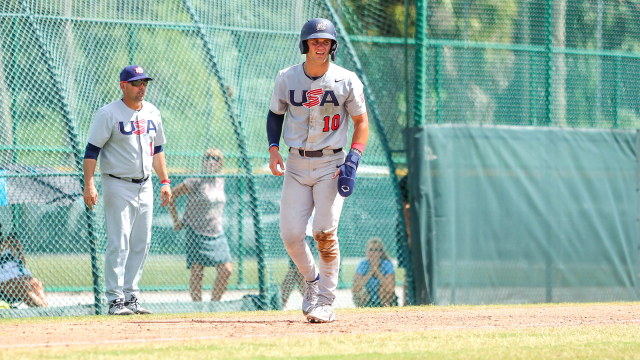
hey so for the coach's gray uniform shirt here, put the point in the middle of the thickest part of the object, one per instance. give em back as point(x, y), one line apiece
point(127, 138)
point(115, 129)
point(317, 110)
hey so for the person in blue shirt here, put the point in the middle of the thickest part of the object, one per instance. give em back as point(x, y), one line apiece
point(16, 281)
point(375, 278)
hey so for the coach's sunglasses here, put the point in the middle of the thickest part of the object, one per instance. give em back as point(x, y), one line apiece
point(137, 83)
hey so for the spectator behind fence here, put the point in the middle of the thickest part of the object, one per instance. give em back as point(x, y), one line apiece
point(16, 282)
point(206, 243)
point(374, 280)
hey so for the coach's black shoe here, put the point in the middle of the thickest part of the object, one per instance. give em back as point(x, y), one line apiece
point(116, 307)
point(133, 305)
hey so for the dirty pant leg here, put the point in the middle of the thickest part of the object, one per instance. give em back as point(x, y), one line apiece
point(139, 241)
point(296, 206)
point(121, 203)
point(328, 205)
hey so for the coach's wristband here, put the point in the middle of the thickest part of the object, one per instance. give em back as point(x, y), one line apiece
point(164, 184)
point(272, 145)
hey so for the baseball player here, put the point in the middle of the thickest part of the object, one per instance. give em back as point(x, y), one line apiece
point(129, 135)
point(318, 98)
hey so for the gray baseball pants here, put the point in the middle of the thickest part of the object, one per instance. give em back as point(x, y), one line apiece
point(128, 211)
point(308, 184)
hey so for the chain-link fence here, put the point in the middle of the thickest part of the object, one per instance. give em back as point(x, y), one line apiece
point(214, 65)
point(521, 62)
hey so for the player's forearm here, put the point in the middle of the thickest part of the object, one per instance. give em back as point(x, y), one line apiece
point(160, 166)
point(89, 168)
point(360, 129)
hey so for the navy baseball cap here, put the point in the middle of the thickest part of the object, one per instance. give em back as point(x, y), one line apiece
point(133, 72)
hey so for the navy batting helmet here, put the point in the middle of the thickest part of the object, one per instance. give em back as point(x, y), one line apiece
point(319, 28)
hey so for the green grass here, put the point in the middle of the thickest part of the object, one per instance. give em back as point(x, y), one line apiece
point(582, 342)
point(73, 272)
point(592, 342)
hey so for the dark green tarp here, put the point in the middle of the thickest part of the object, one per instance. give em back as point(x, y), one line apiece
point(505, 214)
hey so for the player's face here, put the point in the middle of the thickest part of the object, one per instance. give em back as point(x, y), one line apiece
point(319, 49)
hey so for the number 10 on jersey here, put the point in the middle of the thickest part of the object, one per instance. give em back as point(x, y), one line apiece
point(335, 123)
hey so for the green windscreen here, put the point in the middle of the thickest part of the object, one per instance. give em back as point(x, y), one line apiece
point(523, 214)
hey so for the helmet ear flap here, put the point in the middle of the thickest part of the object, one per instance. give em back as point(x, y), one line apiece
point(334, 49)
point(304, 47)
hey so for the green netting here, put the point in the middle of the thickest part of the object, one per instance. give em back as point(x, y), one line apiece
point(214, 65)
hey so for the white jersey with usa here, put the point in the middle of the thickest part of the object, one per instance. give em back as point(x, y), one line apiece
point(127, 138)
point(317, 110)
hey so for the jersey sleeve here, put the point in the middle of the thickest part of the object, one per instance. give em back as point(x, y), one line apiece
point(100, 130)
point(386, 268)
point(355, 103)
point(279, 103)
point(160, 138)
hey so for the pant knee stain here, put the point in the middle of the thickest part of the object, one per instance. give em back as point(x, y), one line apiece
point(326, 246)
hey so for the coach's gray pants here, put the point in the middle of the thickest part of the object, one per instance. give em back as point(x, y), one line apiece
point(128, 211)
point(308, 184)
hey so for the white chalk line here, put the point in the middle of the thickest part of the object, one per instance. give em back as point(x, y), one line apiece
point(125, 341)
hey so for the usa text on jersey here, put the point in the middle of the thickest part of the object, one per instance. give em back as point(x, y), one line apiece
point(315, 97)
point(137, 127)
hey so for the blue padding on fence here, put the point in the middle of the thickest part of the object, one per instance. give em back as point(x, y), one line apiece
point(3, 189)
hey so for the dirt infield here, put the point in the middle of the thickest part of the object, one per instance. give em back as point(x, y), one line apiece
point(131, 329)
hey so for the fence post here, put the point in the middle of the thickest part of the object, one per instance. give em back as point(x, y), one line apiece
point(616, 120)
point(548, 93)
point(421, 56)
point(240, 232)
point(15, 208)
point(438, 78)
point(419, 109)
point(244, 158)
point(406, 61)
point(73, 140)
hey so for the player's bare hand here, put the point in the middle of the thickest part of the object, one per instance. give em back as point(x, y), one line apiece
point(275, 159)
point(165, 195)
point(90, 195)
point(178, 225)
point(336, 174)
